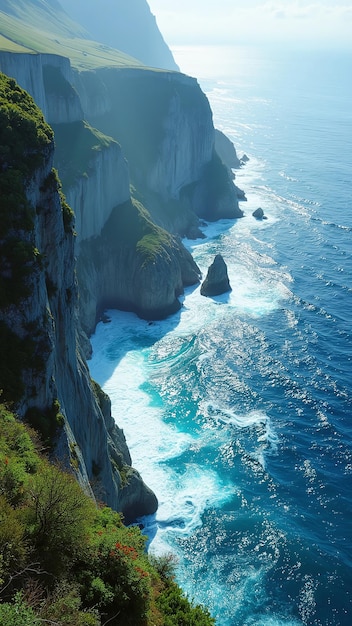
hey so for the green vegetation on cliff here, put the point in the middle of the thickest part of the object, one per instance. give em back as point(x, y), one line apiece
point(34, 27)
point(24, 134)
point(25, 143)
point(130, 225)
point(76, 144)
point(64, 560)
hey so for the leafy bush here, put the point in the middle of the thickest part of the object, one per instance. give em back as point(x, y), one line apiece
point(12, 541)
point(57, 517)
point(117, 577)
point(18, 457)
point(63, 606)
point(179, 611)
point(18, 613)
point(84, 566)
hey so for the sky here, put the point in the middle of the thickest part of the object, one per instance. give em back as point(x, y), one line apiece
point(312, 23)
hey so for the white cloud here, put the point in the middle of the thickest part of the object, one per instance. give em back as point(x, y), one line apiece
point(326, 22)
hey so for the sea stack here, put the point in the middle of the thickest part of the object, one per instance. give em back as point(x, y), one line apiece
point(217, 281)
point(259, 214)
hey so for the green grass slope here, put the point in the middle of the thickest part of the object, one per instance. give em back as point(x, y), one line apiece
point(43, 26)
point(67, 562)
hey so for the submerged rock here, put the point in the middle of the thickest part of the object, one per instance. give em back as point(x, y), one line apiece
point(217, 280)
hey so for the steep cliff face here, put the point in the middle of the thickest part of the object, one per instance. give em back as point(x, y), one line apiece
point(43, 370)
point(134, 265)
point(163, 122)
point(94, 174)
point(48, 79)
point(95, 195)
point(113, 22)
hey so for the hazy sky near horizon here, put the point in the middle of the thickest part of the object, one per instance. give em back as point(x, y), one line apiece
point(323, 23)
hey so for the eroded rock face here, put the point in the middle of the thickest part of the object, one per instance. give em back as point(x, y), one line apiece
point(48, 79)
point(217, 281)
point(43, 313)
point(226, 150)
point(163, 122)
point(144, 274)
point(95, 195)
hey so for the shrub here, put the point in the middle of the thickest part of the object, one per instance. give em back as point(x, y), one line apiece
point(63, 606)
point(12, 544)
point(57, 516)
point(18, 613)
point(68, 215)
point(165, 565)
point(178, 610)
point(117, 577)
point(18, 457)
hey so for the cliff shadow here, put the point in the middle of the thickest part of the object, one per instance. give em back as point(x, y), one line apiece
point(120, 332)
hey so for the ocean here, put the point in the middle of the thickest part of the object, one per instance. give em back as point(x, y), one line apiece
point(237, 410)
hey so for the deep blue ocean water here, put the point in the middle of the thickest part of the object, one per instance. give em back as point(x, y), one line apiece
point(238, 410)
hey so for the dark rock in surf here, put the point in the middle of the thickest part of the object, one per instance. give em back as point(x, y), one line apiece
point(259, 214)
point(217, 280)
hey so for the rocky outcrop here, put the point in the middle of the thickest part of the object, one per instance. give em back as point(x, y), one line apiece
point(39, 320)
point(133, 266)
point(217, 281)
point(226, 150)
point(259, 214)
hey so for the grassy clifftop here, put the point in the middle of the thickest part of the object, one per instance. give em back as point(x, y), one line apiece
point(34, 27)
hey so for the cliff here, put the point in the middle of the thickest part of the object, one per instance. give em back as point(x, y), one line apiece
point(94, 174)
point(164, 124)
point(43, 371)
point(133, 265)
point(135, 149)
point(125, 17)
point(226, 150)
point(160, 122)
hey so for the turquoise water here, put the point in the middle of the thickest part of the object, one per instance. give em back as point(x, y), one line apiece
point(237, 410)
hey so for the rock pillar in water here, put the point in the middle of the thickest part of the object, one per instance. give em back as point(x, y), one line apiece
point(217, 281)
